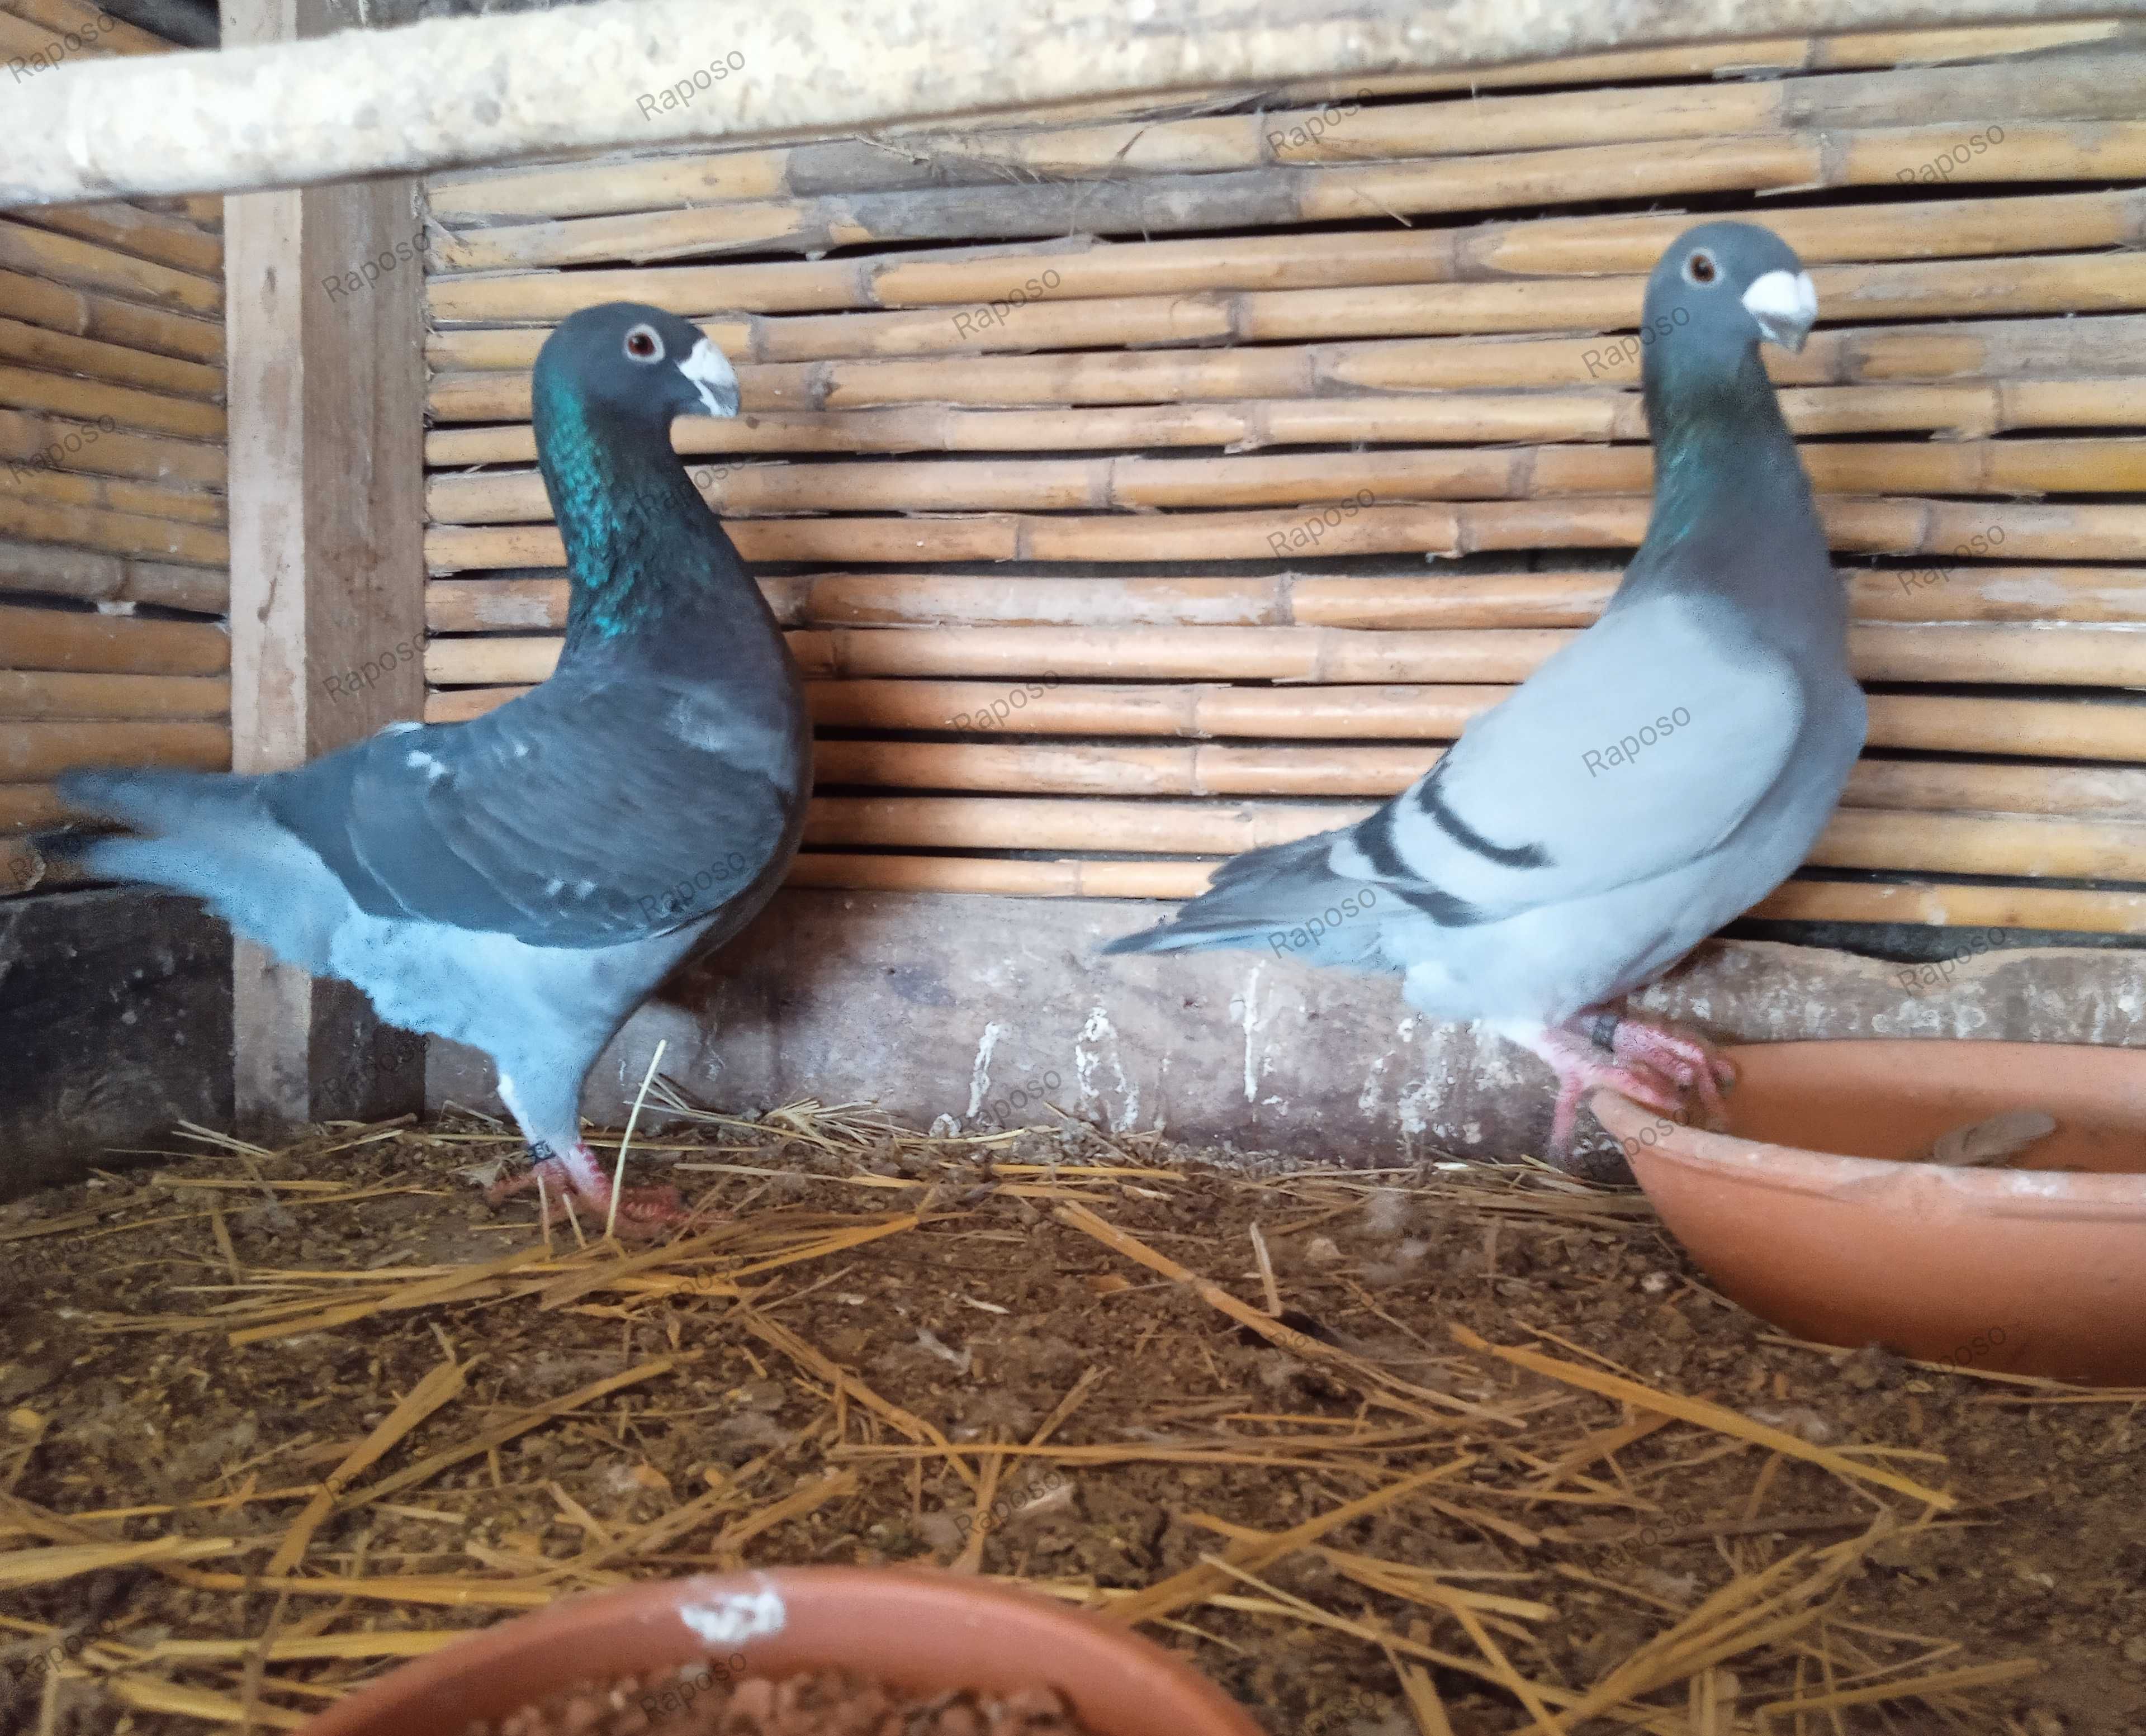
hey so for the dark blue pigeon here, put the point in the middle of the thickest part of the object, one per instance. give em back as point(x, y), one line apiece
point(522, 882)
point(1657, 777)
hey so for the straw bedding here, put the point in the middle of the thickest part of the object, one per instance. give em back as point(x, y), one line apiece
point(1436, 1449)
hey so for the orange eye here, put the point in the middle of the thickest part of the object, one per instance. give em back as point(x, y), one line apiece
point(643, 345)
point(1700, 268)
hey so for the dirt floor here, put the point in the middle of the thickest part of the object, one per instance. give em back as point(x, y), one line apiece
point(271, 1422)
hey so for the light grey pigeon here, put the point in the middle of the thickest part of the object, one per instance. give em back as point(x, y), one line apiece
point(522, 882)
point(1658, 776)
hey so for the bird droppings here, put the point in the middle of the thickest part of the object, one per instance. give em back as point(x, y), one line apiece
point(332, 1363)
point(729, 1621)
point(980, 1076)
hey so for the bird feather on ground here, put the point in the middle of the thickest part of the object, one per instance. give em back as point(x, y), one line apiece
point(521, 882)
point(1655, 779)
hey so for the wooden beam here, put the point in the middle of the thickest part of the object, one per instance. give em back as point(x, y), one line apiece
point(626, 73)
point(327, 563)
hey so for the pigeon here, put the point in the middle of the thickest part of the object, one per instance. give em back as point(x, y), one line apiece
point(1659, 775)
point(521, 881)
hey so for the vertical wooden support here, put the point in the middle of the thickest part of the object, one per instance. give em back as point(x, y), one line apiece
point(324, 322)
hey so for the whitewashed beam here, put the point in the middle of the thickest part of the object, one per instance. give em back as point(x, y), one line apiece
point(457, 92)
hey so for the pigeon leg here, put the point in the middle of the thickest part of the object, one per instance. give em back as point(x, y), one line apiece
point(1684, 1056)
point(1582, 1066)
point(544, 1110)
point(645, 1211)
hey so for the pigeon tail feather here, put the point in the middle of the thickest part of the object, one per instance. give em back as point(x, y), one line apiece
point(1182, 935)
point(152, 799)
point(1274, 897)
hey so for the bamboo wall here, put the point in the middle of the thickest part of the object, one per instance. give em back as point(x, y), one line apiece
point(112, 553)
point(1141, 490)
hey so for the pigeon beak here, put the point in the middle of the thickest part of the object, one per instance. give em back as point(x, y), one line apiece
point(712, 377)
point(1785, 305)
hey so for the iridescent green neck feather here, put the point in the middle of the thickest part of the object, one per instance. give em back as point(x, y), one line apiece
point(1717, 430)
point(633, 525)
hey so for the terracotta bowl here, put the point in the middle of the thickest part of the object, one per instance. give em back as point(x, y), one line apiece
point(1812, 1211)
point(918, 1630)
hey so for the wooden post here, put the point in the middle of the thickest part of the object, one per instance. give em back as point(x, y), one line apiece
point(325, 338)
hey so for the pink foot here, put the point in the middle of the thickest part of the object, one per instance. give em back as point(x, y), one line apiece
point(647, 1211)
point(1694, 1064)
point(1582, 1067)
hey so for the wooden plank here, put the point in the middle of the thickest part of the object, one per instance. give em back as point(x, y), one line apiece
point(116, 533)
point(114, 36)
point(85, 265)
point(1958, 411)
point(25, 807)
point(110, 320)
point(92, 576)
point(2038, 655)
point(1135, 482)
point(326, 490)
point(577, 80)
point(86, 642)
point(2070, 282)
point(58, 353)
point(1084, 266)
point(2093, 85)
point(1213, 768)
point(583, 188)
point(66, 488)
point(60, 443)
point(33, 695)
point(1790, 159)
point(1943, 530)
point(1955, 349)
point(35, 752)
point(2017, 845)
point(2024, 594)
point(161, 235)
point(1925, 902)
point(23, 388)
point(2035, 728)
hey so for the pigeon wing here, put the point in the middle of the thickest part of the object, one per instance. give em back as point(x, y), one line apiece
point(1638, 747)
point(578, 815)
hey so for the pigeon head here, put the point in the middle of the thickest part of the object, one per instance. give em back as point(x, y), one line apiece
point(637, 363)
point(640, 541)
point(1723, 288)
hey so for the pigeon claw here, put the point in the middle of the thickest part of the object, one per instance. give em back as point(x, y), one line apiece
point(642, 1211)
point(1695, 1064)
point(1582, 1067)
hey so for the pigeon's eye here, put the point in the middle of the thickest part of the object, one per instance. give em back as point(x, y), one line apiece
point(1700, 268)
point(643, 345)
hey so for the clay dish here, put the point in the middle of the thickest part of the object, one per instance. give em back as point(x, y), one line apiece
point(1815, 1211)
point(919, 1630)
